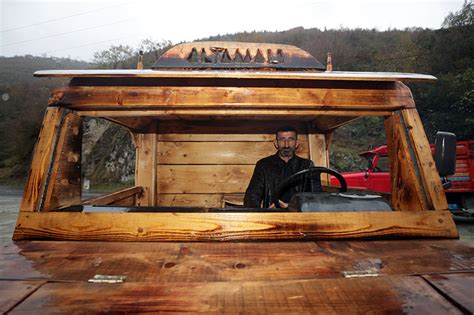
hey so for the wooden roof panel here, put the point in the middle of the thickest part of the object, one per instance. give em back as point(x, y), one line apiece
point(280, 75)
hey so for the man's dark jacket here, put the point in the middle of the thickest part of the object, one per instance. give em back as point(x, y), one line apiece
point(268, 174)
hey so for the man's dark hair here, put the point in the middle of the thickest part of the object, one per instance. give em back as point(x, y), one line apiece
point(285, 129)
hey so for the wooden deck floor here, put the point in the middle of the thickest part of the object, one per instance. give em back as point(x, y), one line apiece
point(409, 276)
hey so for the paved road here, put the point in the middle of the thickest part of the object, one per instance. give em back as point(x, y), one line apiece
point(10, 199)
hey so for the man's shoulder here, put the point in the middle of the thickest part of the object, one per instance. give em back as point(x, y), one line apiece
point(267, 160)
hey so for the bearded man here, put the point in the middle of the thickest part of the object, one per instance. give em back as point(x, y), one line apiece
point(271, 171)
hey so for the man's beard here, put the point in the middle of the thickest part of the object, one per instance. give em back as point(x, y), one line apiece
point(286, 152)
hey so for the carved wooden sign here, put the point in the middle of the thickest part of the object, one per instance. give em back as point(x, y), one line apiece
point(235, 55)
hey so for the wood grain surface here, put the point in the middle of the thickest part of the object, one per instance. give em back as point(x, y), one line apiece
point(421, 148)
point(13, 292)
point(456, 287)
point(64, 182)
point(229, 261)
point(406, 185)
point(329, 296)
point(232, 226)
point(40, 163)
point(218, 153)
point(201, 97)
point(285, 75)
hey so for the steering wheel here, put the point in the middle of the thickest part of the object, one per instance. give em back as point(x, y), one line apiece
point(308, 180)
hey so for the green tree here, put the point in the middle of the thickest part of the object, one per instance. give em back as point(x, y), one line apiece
point(116, 57)
point(463, 17)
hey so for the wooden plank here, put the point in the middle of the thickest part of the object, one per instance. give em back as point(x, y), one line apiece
point(13, 292)
point(317, 149)
point(218, 261)
point(324, 124)
point(218, 153)
point(228, 130)
point(318, 152)
point(41, 159)
point(64, 183)
point(136, 124)
point(232, 226)
point(328, 296)
point(202, 97)
point(406, 190)
point(190, 200)
point(455, 287)
point(434, 190)
point(145, 167)
point(231, 114)
point(211, 178)
point(115, 197)
point(288, 75)
point(201, 200)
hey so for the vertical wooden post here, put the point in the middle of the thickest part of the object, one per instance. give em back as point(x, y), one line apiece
point(318, 151)
point(140, 60)
point(63, 187)
point(42, 156)
point(433, 187)
point(406, 189)
point(146, 166)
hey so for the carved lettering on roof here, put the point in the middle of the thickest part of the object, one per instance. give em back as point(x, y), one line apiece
point(222, 55)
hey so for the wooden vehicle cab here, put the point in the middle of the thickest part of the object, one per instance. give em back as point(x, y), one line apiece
point(198, 134)
point(200, 119)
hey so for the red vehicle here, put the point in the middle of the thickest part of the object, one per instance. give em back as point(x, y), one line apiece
point(376, 176)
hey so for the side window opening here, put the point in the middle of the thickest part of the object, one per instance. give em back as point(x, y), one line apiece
point(108, 158)
point(351, 140)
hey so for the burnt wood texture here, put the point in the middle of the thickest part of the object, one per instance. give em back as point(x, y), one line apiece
point(416, 276)
point(198, 135)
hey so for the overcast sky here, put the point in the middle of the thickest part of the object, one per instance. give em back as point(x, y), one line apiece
point(77, 29)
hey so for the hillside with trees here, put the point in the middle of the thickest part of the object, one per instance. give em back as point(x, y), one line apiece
point(23, 100)
point(447, 53)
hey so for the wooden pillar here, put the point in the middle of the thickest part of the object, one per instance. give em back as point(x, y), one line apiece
point(318, 151)
point(433, 187)
point(63, 187)
point(411, 164)
point(42, 156)
point(146, 166)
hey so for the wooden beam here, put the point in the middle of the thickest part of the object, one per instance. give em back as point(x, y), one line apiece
point(135, 124)
point(191, 97)
point(433, 187)
point(406, 189)
point(232, 226)
point(318, 152)
point(146, 166)
point(232, 114)
point(64, 184)
point(115, 197)
point(42, 155)
point(325, 124)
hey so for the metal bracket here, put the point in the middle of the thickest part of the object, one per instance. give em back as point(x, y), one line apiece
point(360, 273)
point(107, 279)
